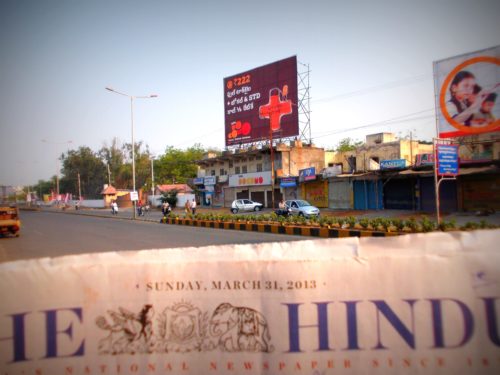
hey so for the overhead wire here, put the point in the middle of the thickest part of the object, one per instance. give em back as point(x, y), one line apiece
point(385, 86)
point(399, 119)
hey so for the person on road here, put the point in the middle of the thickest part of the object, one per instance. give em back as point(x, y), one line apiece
point(139, 208)
point(193, 207)
point(114, 208)
point(187, 207)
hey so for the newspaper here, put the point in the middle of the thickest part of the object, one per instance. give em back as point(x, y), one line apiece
point(415, 304)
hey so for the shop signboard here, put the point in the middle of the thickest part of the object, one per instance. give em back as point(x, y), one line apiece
point(134, 196)
point(332, 171)
point(307, 174)
point(250, 179)
point(288, 182)
point(424, 159)
point(198, 181)
point(393, 164)
point(209, 180)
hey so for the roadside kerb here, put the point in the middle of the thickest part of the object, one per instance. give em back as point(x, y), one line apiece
point(275, 228)
point(295, 230)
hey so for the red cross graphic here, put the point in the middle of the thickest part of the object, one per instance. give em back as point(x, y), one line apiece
point(275, 109)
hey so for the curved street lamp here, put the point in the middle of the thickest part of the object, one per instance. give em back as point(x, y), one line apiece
point(132, 97)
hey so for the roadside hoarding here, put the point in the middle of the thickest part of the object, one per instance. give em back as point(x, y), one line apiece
point(260, 100)
point(466, 88)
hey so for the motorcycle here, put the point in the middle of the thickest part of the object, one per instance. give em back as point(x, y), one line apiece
point(284, 212)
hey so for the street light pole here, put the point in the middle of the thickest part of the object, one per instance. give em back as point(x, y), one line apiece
point(132, 122)
point(133, 149)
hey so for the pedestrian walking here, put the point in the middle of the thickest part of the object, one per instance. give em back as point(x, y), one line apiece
point(193, 207)
point(114, 208)
point(139, 208)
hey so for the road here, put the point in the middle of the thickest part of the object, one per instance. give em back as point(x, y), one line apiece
point(49, 234)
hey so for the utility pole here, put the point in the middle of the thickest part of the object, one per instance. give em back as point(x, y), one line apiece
point(152, 178)
point(79, 188)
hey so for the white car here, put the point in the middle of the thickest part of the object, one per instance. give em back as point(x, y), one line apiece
point(245, 205)
point(302, 208)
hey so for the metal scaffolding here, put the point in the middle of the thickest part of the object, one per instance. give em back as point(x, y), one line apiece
point(304, 104)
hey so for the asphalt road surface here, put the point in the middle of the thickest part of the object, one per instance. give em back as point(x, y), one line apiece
point(49, 234)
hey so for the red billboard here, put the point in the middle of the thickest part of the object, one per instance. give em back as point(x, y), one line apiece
point(260, 101)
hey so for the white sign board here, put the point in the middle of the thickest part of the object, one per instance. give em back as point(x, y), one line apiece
point(134, 196)
point(250, 179)
point(415, 304)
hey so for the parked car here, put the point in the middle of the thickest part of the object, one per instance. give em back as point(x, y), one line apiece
point(9, 220)
point(245, 205)
point(302, 208)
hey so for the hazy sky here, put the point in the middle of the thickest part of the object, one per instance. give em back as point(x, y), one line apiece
point(370, 61)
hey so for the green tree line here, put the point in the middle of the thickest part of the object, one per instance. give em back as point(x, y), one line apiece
point(112, 164)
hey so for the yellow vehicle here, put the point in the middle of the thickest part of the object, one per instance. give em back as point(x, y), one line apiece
point(9, 220)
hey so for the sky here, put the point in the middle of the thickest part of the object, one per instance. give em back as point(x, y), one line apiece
point(370, 62)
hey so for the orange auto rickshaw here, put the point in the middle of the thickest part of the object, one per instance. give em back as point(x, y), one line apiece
point(9, 219)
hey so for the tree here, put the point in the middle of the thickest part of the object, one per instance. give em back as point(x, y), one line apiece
point(114, 156)
point(92, 172)
point(347, 144)
point(44, 187)
point(177, 165)
point(170, 197)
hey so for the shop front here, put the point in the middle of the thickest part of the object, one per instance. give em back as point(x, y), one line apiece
point(254, 186)
point(479, 189)
point(368, 194)
point(316, 193)
point(340, 195)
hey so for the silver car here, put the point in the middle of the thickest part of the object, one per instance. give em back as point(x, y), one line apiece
point(245, 205)
point(302, 208)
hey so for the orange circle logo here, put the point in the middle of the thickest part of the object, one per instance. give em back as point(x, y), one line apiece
point(229, 85)
point(442, 97)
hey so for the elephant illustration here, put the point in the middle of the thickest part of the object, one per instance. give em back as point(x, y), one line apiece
point(240, 329)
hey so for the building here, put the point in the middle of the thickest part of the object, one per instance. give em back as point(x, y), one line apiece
point(246, 173)
point(378, 147)
point(387, 173)
point(369, 177)
point(110, 194)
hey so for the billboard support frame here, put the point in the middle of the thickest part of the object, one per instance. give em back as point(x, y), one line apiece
point(304, 102)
